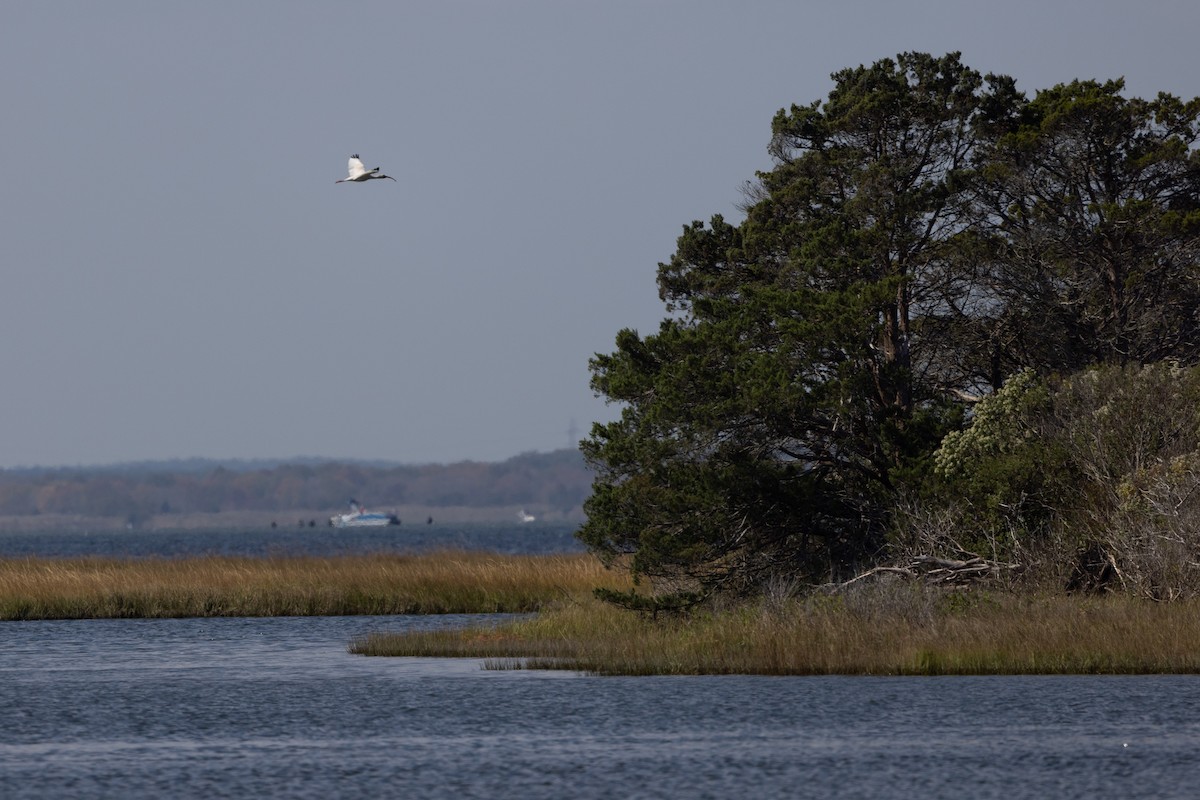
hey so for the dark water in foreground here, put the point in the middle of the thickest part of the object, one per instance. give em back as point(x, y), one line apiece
point(278, 708)
point(513, 538)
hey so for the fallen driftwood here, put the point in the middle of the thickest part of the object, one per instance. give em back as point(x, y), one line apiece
point(937, 570)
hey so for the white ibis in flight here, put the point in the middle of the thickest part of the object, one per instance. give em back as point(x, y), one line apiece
point(359, 173)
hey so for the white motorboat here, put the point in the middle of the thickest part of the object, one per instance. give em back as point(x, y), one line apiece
point(359, 517)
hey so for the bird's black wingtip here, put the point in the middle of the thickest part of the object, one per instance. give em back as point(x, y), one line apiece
point(355, 155)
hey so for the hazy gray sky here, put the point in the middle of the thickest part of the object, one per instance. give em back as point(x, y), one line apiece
point(182, 277)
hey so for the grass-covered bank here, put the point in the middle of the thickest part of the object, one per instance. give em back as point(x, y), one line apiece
point(882, 631)
point(438, 583)
point(898, 628)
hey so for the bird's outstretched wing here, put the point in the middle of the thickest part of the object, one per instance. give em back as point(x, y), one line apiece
point(357, 170)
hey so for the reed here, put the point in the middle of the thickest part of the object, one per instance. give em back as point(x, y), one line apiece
point(446, 582)
point(930, 635)
point(884, 630)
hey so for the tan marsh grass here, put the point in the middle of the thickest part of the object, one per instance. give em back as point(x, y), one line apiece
point(446, 582)
point(994, 634)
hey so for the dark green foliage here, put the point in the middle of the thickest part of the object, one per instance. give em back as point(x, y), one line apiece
point(646, 604)
point(1004, 471)
point(1092, 205)
point(767, 423)
point(926, 231)
point(1105, 464)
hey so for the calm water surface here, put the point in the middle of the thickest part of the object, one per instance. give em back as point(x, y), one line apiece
point(532, 538)
point(279, 708)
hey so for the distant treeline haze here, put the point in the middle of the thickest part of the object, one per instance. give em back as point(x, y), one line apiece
point(557, 481)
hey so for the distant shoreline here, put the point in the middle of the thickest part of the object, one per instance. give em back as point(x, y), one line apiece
point(261, 520)
point(196, 494)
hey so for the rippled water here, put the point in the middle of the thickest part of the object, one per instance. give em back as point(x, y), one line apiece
point(278, 707)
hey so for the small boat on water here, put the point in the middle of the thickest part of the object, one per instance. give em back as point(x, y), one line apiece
point(525, 517)
point(359, 517)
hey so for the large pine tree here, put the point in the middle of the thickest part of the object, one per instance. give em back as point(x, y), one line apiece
point(774, 411)
point(922, 234)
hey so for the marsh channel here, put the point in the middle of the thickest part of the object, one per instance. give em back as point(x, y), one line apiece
point(278, 707)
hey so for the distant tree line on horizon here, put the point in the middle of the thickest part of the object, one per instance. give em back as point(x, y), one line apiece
point(556, 481)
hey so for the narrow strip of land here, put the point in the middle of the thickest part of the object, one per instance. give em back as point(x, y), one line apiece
point(438, 583)
point(909, 630)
